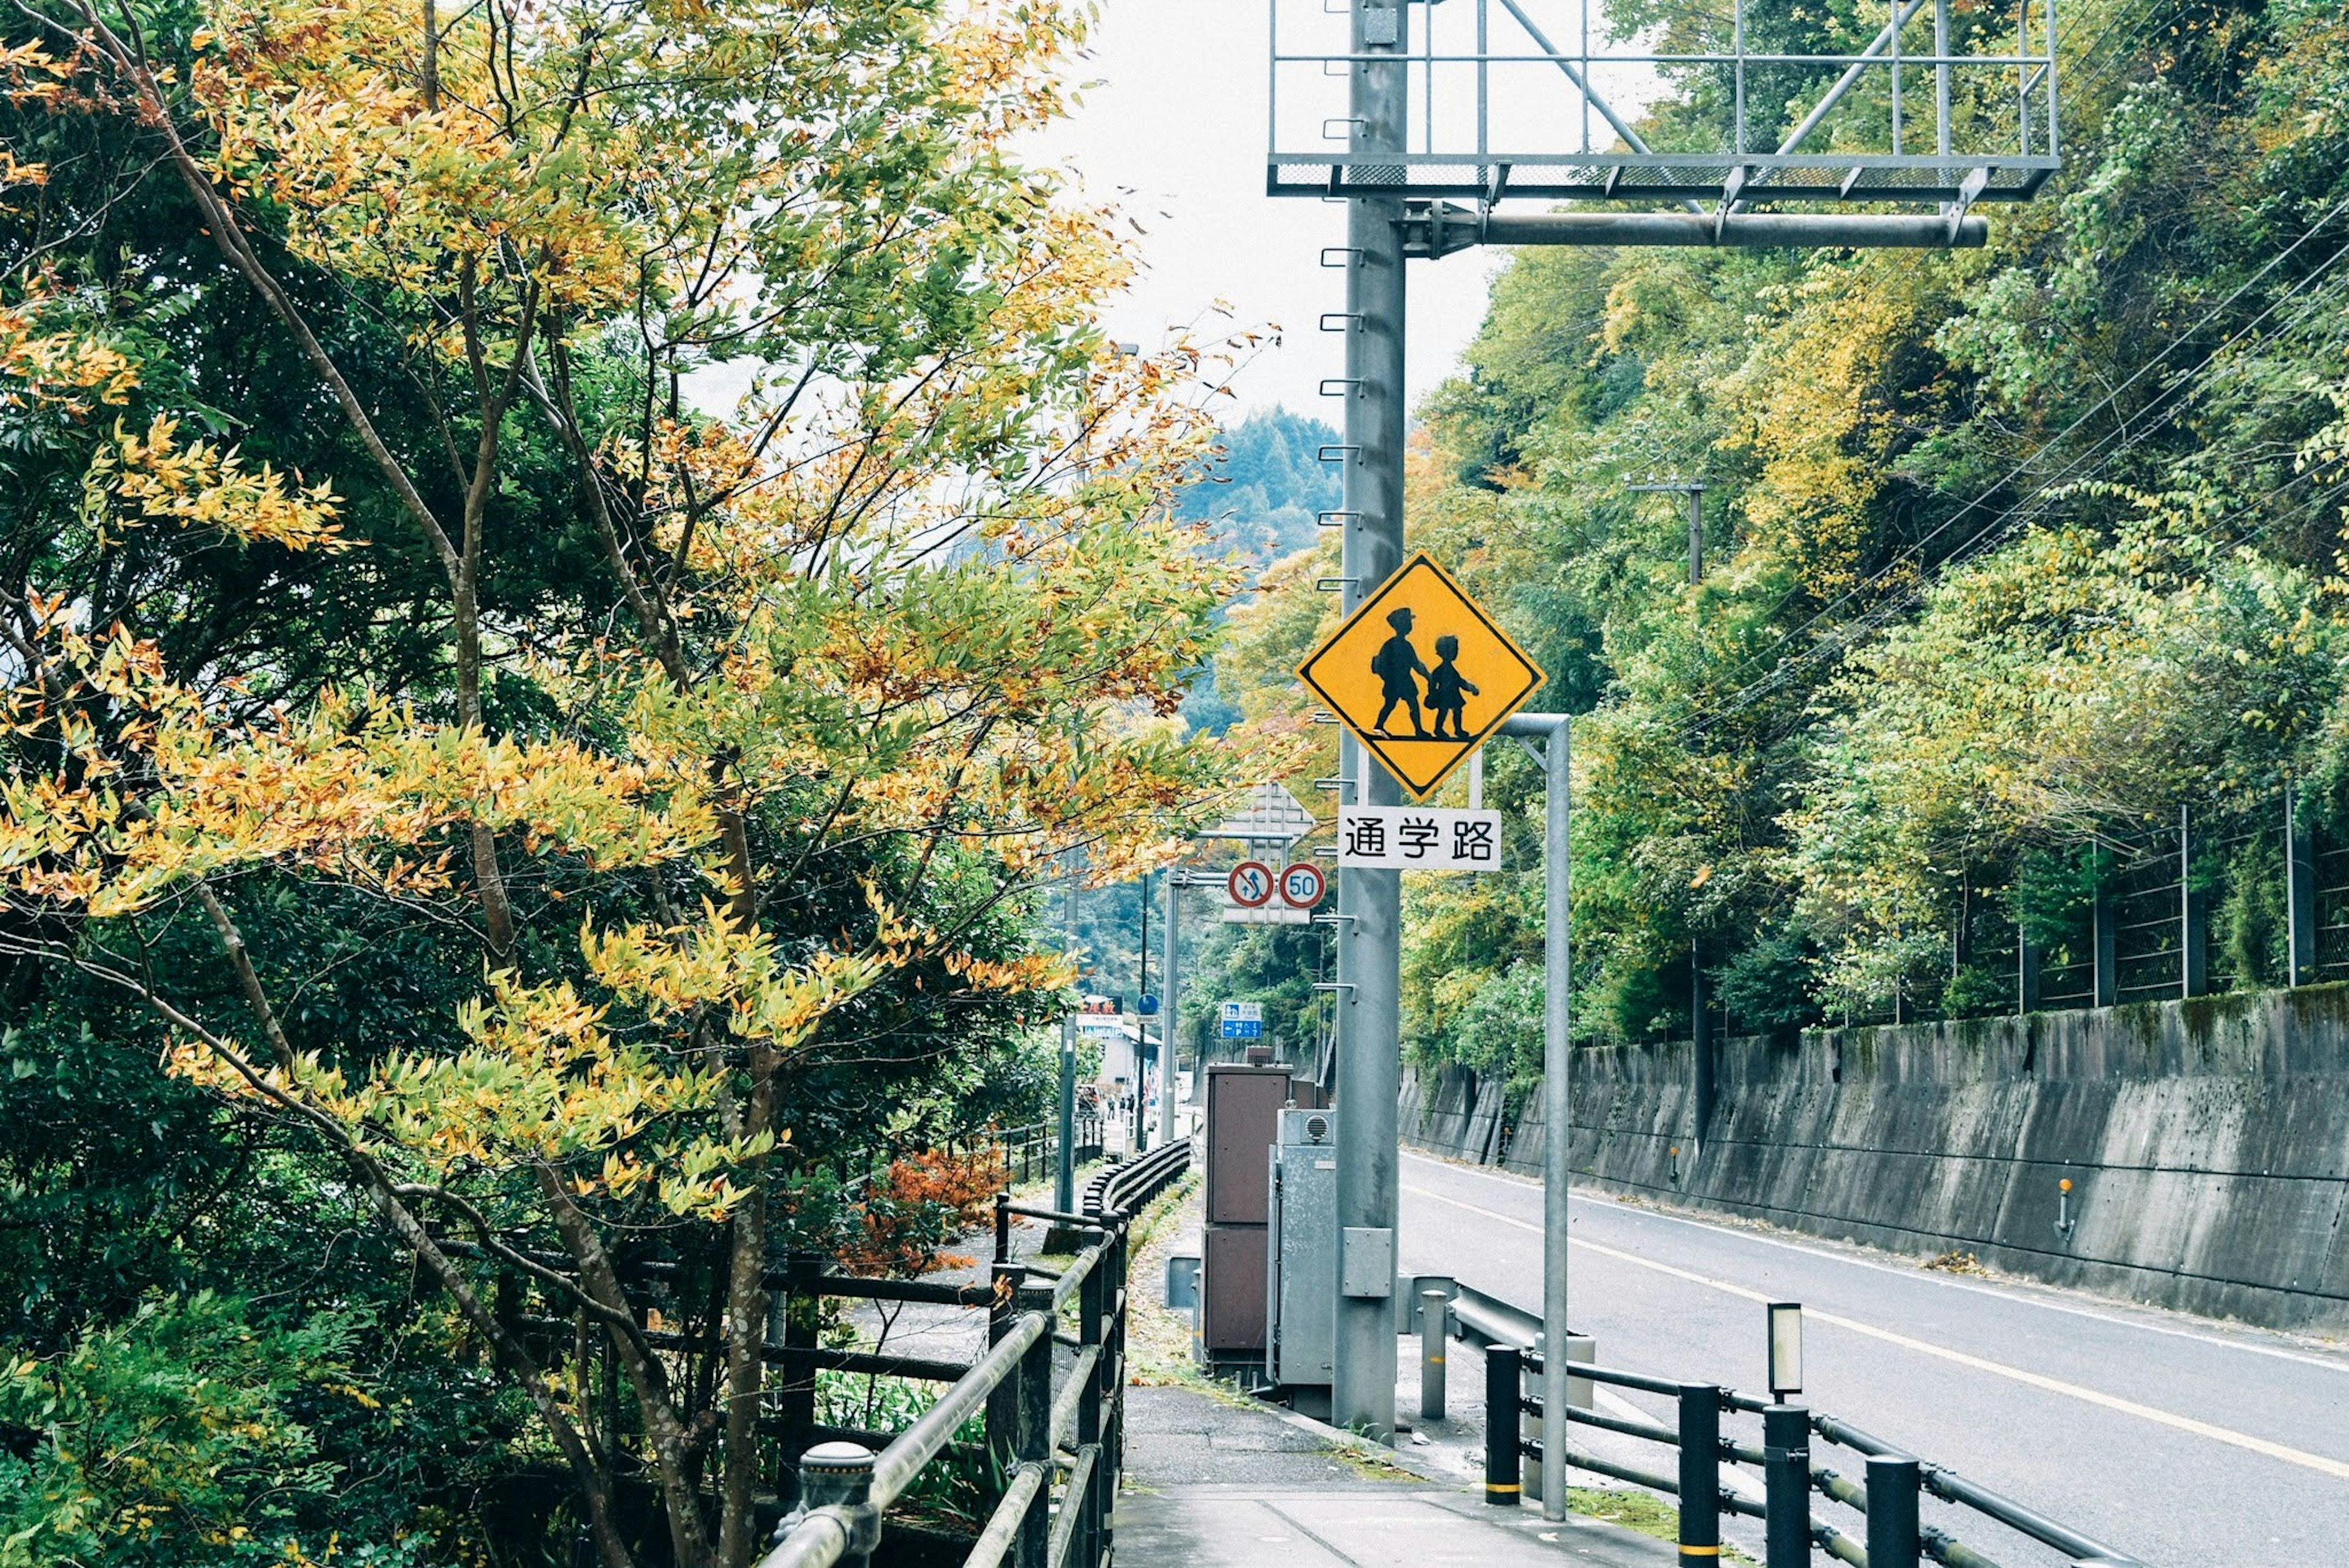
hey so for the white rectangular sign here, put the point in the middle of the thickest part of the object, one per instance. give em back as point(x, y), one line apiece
point(1244, 1011)
point(1273, 914)
point(1418, 838)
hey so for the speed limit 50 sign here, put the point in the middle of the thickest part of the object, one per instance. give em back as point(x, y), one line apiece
point(1301, 886)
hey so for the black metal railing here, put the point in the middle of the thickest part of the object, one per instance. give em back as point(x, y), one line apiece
point(1887, 1495)
point(1040, 1429)
point(1029, 1153)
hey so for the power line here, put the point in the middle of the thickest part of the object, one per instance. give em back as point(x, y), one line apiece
point(1878, 616)
point(1695, 722)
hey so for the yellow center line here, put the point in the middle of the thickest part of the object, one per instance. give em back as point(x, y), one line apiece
point(2336, 1468)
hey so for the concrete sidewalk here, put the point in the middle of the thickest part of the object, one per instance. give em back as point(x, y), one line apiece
point(1213, 1484)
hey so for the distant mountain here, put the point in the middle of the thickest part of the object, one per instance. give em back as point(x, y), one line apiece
point(1267, 484)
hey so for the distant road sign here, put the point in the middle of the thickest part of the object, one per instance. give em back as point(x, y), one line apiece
point(1250, 884)
point(1146, 1004)
point(1243, 1019)
point(1269, 816)
point(1301, 886)
point(1418, 838)
point(1421, 675)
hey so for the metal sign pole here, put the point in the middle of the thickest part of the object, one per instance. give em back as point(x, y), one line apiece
point(1555, 731)
point(1558, 1104)
point(1362, 1394)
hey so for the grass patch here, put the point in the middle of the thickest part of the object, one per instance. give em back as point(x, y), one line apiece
point(1643, 1511)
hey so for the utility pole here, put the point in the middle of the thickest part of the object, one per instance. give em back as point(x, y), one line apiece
point(1064, 1178)
point(1700, 1004)
point(1695, 489)
point(1370, 1067)
point(1142, 1030)
point(1169, 975)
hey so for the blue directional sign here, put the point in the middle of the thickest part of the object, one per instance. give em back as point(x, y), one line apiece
point(1146, 1004)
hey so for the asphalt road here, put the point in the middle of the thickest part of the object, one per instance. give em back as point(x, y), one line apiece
point(2185, 1442)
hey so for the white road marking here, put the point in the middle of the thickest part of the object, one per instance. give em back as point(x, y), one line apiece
point(2317, 1462)
point(2023, 1297)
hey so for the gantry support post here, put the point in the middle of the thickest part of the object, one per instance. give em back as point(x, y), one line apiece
point(1370, 1069)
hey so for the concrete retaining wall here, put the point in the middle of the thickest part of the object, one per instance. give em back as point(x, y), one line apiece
point(2206, 1142)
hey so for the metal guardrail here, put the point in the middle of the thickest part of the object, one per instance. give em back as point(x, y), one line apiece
point(1887, 1497)
point(1034, 1434)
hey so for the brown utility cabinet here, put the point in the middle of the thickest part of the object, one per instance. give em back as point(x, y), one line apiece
point(1244, 1105)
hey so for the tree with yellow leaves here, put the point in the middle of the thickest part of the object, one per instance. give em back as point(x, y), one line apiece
point(912, 608)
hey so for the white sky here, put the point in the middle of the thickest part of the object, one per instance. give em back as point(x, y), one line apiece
point(1174, 132)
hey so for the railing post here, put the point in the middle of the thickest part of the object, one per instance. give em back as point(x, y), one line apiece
point(1113, 1464)
point(840, 1475)
point(1003, 1227)
point(1700, 1427)
point(1892, 1540)
point(1033, 1423)
point(1786, 1485)
point(1003, 1399)
point(1434, 1308)
point(1503, 1397)
point(795, 1395)
point(1091, 1300)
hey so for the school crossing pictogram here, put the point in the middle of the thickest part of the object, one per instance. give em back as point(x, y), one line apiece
point(1421, 675)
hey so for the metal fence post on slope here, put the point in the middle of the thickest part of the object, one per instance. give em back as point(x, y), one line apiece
point(1700, 1432)
point(2300, 894)
point(1504, 1397)
point(1892, 1534)
point(2193, 917)
point(1786, 1485)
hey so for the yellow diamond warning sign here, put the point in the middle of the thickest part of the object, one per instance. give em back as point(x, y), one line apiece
point(1421, 675)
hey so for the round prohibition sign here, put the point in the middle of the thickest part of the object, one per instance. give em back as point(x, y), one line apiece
point(1301, 886)
point(1250, 884)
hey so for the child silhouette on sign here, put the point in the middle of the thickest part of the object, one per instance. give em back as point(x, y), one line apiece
point(1395, 663)
point(1444, 686)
